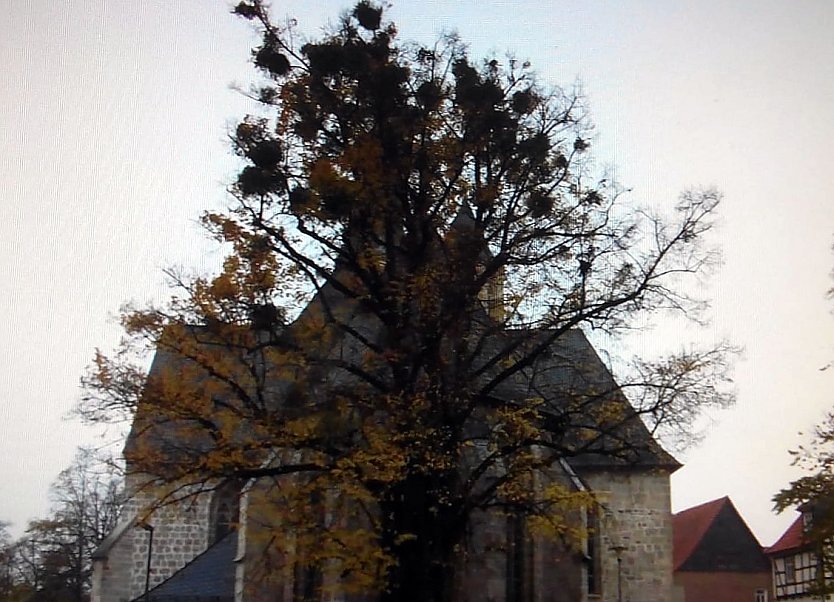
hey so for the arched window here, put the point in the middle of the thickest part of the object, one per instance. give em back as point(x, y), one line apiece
point(224, 511)
point(593, 556)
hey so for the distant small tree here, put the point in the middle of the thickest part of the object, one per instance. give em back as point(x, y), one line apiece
point(52, 561)
point(8, 565)
point(442, 216)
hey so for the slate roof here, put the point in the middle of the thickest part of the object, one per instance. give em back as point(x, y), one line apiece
point(570, 372)
point(210, 577)
point(713, 537)
point(569, 369)
point(576, 386)
point(791, 540)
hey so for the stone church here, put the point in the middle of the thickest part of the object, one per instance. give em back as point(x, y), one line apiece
point(209, 548)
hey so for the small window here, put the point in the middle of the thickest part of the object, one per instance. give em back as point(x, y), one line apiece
point(761, 595)
point(790, 570)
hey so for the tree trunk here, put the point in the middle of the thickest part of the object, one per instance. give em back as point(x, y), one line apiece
point(422, 534)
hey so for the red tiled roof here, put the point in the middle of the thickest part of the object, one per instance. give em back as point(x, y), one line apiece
point(790, 540)
point(689, 526)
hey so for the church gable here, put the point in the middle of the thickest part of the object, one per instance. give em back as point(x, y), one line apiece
point(588, 425)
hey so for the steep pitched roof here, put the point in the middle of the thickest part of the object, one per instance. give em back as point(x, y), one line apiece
point(569, 376)
point(713, 537)
point(689, 526)
point(568, 370)
point(210, 577)
point(792, 539)
point(577, 386)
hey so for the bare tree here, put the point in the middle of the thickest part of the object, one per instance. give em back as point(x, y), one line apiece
point(51, 561)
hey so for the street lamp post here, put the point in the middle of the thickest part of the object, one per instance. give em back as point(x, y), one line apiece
point(149, 528)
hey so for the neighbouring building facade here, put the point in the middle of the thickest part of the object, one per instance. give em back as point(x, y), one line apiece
point(716, 556)
point(795, 565)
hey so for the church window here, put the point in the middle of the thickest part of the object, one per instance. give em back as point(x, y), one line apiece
point(307, 573)
point(593, 556)
point(224, 514)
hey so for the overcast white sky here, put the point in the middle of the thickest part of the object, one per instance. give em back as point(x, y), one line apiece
point(113, 118)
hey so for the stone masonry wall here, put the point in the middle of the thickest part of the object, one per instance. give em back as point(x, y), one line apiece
point(636, 518)
point(110, 580)
point(180, 533)
point(552, 569)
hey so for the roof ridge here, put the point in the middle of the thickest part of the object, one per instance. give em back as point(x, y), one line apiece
point(703, 505)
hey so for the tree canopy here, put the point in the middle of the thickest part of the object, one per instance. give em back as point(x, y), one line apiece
point(52, 560)
point(813, 494)
point(413, 236)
